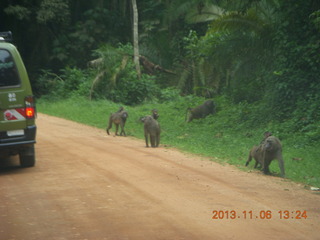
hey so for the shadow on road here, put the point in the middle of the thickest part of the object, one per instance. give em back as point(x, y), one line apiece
point(9, 165)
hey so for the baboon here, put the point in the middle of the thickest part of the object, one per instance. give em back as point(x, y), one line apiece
point(269, 150)
point(272, 149)
point(201, 111)
point(265, 136)
point(118, 118)
point(155, 114)
point(256, 154)
point(255, 151)
point(151, 129)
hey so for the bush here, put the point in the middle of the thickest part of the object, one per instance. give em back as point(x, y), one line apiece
point(132, 91)
point(169, 94)
point(71, 82)
point(116, 78)
point(77, 82)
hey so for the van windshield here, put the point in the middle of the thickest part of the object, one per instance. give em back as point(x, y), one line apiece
point(8, 71)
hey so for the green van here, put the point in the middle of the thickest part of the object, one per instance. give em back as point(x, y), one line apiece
point(17, 106)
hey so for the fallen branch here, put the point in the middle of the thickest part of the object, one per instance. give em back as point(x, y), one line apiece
point(150, 67)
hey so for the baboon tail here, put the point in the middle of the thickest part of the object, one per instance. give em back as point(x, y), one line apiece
point(249, 159)
point(109, 125)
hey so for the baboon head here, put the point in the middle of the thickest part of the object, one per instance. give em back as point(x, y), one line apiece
point(141, 119)
point(124, 115)
point(269, 145)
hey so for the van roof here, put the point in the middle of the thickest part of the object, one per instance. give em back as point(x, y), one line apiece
point(6, 36)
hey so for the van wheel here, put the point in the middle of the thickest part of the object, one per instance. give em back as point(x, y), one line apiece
point(27, 157)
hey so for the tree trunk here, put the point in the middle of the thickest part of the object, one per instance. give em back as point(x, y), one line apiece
point(135, 37)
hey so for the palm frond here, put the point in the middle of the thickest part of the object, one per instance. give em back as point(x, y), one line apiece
point(95, 81)
point(118, 70)
point(206, 14)
point(235, 21)
point(109, 64)
point(184, 76)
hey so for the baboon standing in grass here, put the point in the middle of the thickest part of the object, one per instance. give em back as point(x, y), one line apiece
point(201, 111)
point(118, 118)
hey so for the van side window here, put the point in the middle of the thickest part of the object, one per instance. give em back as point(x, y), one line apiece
point(8, 72)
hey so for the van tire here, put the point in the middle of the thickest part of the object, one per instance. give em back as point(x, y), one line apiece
point(27, 157)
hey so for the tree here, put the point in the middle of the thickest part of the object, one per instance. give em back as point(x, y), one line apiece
point(234, 52)
point(46, 20)
point(294, 85)
point(136, 37)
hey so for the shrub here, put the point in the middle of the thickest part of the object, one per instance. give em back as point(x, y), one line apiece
point(132, 91)
point(116, 78)
point(71, 82)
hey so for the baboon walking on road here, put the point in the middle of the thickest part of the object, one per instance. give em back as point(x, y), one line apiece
point(118, 118)
point(152, 129)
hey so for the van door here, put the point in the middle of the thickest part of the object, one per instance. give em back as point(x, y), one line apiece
point(12, 103)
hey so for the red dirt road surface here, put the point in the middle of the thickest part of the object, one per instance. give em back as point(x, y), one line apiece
point(87, 185)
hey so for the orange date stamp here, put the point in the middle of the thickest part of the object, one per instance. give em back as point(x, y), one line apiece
point(262, 214)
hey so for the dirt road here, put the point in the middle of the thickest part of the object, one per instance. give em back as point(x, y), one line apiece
point(90, 186)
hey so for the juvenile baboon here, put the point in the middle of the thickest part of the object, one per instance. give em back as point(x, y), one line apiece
point(265, 136)
point(155, 114)
point(151, 129)
point(256, 154)
point(256, 151)
point(201, 111)
point(269, 150)
point(118, 118)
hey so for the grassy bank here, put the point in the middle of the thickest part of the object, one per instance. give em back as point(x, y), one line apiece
point(224, 137)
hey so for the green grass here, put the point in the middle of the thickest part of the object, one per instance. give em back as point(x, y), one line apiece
point(221, 137)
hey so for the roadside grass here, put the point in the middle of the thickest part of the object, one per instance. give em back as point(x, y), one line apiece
point(221, 137)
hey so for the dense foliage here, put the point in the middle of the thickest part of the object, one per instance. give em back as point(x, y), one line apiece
point(261, 55)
